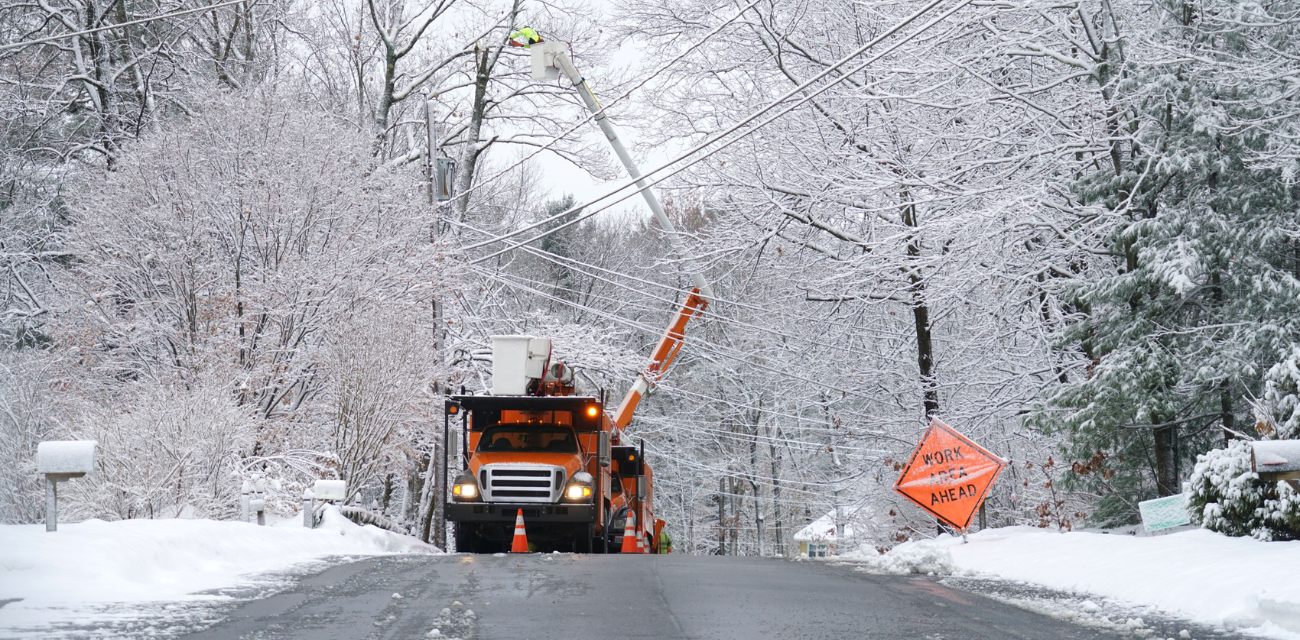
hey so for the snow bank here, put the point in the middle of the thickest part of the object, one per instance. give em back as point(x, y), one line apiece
point(1199, 575)
point(96, 562)
point(910, 557)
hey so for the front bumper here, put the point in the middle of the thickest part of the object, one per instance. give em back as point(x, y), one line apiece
point(533, 512)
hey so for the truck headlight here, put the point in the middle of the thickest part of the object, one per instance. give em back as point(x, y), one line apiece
point(465, 487)
point(578, 488)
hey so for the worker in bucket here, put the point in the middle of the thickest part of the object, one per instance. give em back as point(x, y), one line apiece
point(528, 37)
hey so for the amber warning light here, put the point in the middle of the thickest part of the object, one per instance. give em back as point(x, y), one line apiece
point(593, 411)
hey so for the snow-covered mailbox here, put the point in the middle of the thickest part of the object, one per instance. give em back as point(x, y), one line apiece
point(330, 490)
point(1276, 460)
point(61, 461)
point(323, 491)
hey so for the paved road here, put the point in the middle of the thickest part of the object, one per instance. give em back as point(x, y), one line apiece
point(540, 597)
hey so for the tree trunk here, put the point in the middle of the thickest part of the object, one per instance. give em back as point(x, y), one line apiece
point(1229, 420)
point(754, 486)
point(920, 314)
point(775, 455)
point(722, 516)
point(427, 501)
point(1166, 455)
point(483, 62)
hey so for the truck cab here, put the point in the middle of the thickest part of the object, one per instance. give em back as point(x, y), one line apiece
point(537, 449)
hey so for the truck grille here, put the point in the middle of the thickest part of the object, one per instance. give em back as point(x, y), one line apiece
point(521, 483)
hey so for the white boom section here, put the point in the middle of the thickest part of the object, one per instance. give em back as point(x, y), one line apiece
point(555, 54)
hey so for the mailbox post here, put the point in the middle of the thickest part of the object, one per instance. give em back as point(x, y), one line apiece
point(61, 461)
point(308, 508)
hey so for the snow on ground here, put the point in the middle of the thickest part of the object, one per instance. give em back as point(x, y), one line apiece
point(66, 577)
point(1198, 575)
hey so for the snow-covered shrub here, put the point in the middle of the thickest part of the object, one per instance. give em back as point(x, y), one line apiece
point(168, 453)
point(1224, 495)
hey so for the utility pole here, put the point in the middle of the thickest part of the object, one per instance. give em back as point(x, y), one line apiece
point(435, 474)
point(430, 162)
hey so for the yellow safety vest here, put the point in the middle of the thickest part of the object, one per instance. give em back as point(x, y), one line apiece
point(530, 37)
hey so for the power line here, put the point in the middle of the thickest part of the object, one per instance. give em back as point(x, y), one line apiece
point(119, 25)
point(803, 87)
point(677, 389)
point(576, 265)
point(804, 445)
point(697, 342)
point(570, 262)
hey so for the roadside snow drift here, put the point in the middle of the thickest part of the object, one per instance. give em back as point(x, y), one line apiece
point(59, 576)
point(1199, 575)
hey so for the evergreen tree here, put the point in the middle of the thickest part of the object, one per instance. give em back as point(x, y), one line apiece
point(1202, 291)
point(563, 243)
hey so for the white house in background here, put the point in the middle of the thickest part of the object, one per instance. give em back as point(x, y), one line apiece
point(817, 540)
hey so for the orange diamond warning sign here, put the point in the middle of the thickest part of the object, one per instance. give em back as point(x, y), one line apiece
point(948, 475)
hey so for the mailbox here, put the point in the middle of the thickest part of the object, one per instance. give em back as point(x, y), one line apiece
point(72, 459)
point(330, 490)
point(1276, 460)
point(60, 461)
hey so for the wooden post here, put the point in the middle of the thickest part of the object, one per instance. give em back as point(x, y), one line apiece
point(308, 508)
point(984, 522)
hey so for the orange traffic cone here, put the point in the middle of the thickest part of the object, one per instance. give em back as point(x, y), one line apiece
point(520, 543)
point(631, 541)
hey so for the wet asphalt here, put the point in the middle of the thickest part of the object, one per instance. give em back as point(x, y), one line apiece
point(576, 597)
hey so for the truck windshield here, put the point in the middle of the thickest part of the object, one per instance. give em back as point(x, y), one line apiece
point(528, 437)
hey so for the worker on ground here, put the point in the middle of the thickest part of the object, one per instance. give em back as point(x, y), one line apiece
point(528, 37)
point(665, 541)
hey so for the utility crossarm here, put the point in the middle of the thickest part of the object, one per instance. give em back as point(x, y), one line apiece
point(660, 360)
point(547, 57)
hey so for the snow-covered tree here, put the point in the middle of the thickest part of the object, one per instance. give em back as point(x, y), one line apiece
point(255, 266)
point(1200, 292)
point(1277, 414)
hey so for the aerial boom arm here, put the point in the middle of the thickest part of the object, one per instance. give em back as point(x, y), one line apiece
point(560, 55)
point(547, 57)
point(660, 360)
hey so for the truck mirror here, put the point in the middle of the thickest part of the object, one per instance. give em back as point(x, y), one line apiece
point(602, 449)
point(641, 489)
